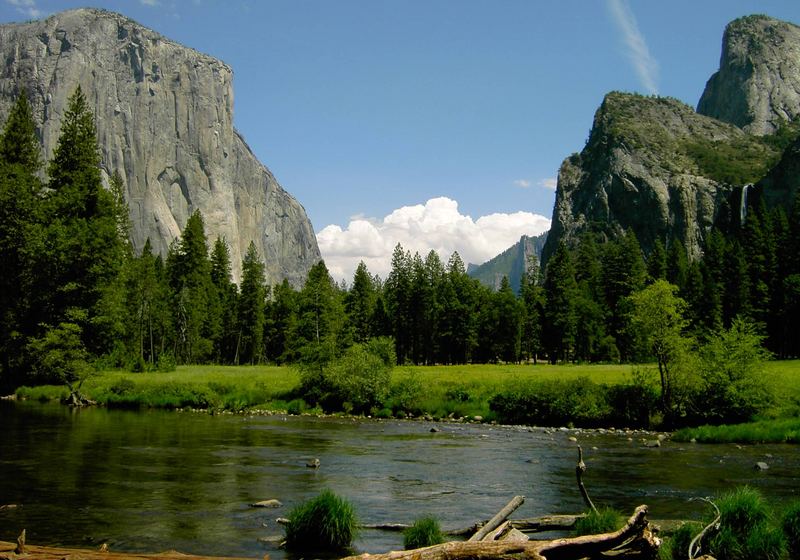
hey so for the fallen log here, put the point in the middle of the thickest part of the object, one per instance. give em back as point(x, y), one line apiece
point(634, 536)
point(499, 518)
point(31, 552)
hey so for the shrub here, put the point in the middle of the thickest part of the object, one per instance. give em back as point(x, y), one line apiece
point(357, 382)
point(296, 407)
point(745, 529)
point(425, 531)
point(791, 528)
point(405, 394)
point(604, 520)
point(579, 401)
point(326, 523)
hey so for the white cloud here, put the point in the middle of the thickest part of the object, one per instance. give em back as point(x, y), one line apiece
point(550, 183)
point(436, 225)
point(522, 183)
point(643, 62)
point(27, 7)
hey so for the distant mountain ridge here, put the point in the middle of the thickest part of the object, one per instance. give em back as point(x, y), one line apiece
point(659, 168)
point(511, 263)
point(164, 116)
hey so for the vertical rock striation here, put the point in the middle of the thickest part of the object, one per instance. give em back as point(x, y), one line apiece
point(164, 117)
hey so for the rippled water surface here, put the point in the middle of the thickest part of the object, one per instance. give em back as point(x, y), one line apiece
point(156, 480)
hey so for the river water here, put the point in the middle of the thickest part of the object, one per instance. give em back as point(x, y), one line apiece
point(158, 480)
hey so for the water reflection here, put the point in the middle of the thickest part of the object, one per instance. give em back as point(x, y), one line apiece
point(155, 480)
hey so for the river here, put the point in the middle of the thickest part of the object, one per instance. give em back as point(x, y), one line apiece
point(158, 480)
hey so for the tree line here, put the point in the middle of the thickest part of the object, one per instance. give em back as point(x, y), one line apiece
point(75, 293)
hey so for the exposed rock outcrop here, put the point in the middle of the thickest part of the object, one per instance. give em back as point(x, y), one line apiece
point(651, 165)
point(511, 263)
point(164, 116)
point(757, 86)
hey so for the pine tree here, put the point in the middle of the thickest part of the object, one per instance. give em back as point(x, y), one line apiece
point(677, 264)
point(532, 298)
point(508, 330)
point(398, 300)
point(194, 297)
point(21, 228)
point(226, 343)
point(85, 249)
point(281, 315)
point(360, 303)
point(657, 262)
point(560, 318)
point(251, 307)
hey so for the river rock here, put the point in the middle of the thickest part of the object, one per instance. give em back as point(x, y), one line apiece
point(761, 466)
point(652, 443)
point(164, 118)
point(573, 439)
point(434, 430)
point(267, 504)
point(313, 463)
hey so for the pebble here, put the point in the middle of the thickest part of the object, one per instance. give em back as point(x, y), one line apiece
point(313, 463)
point(761, 466)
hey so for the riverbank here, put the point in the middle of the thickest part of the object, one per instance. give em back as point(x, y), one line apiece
point(452, 393)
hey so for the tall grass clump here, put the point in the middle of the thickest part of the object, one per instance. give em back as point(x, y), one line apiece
point(746, 530)
point(604, 520)
point(791, 529)
point(676, 546)
point(326, 523)
point(425, 531)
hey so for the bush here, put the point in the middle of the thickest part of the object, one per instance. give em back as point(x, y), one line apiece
point(745, 528)
point(553, 403)
point(791, 529)
point(296, 407)
point(604, 520)
point(424, 532)
point(357, 382)
point(326, 523)
point(405, 394)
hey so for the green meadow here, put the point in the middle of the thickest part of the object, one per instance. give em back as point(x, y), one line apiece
point(435, 391)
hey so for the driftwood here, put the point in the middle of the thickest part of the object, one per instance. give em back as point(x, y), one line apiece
point(527, 525)
point(7, 552)
point(580, 468)
point(634, 537)
point(498, 519)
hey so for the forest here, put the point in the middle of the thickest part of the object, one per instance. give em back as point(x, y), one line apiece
point(76, 296)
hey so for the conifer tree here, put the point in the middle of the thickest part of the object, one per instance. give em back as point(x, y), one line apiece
point(85, 249)
point(532, 298)
point(360, 303)
point(251, 307)
point(227, 341)
point(560, 318)
point(21, 225)
point(657, 262)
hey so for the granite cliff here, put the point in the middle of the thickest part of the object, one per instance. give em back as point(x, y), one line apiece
point(164, 115)
point(757, 86)
point(663, 170)
point(511, 263)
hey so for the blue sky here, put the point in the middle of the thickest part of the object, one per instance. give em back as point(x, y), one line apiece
point(411, 120)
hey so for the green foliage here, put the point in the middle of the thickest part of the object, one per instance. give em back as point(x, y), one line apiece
point(326, 523)
point(676, 546)
point(425, 531)
point(405, 394)
point(604, 520)
point(765, 431)
point(746, 530)
point(731, 379)
point(356, 382)
point(553, 403)
point(60, 356)
point(251, 307)
point(790, 522)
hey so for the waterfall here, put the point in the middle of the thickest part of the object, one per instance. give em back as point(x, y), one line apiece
point(743, 204)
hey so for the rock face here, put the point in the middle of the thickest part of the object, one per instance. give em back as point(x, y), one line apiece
point(780, 186)
point(164, 117)
point(757, 86)
point(510, 263)
point(643, 168)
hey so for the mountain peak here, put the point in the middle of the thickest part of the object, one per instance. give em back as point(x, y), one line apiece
point(757, 86)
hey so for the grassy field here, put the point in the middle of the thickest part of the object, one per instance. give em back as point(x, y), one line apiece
point(437, 391)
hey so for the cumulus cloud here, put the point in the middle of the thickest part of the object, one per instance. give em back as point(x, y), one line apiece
point(522, 183)
point(550, 183)
point(436, 225)
point(643, 62)
point(26, 7)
